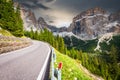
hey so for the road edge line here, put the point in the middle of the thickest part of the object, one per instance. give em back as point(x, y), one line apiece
point(44, 66)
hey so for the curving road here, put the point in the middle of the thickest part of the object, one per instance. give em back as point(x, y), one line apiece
point(25, 64)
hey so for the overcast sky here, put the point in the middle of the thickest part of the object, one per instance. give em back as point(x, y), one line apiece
point(61, 12)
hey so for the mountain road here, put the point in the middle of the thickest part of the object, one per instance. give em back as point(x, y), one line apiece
point(29, 63)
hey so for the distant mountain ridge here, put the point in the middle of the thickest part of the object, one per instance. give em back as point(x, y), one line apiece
point(93, 23)
point(87, 25)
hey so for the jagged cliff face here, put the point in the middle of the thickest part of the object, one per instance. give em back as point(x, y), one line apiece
point(28, 17)
point(30, 20)
point(41, 23)
point(93, 23)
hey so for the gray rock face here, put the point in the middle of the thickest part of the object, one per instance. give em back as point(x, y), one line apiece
point(30, 20)
point(93, 23)
point(41, 23)
point(28, 17)
point(115, 16)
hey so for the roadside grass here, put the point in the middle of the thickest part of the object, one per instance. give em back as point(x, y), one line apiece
point(71, 69)
point(23, 37)
point(5, 32)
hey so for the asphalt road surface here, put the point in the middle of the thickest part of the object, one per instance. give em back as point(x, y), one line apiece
point(25, 64)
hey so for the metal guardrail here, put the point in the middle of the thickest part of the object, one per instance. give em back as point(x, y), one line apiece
point(55, 72)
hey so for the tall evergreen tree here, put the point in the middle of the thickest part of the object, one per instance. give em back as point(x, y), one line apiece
point(114, 65)
point(10, 19)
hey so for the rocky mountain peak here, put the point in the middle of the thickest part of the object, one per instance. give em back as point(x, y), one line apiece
point(28, 18)
point(93, 23)
point(41, 23)
point(41, 20)
point(90, 12)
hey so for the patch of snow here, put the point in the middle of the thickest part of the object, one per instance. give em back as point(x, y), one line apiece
point(63, 34)
point(105, 38)
point(82, 36)
point(110, 25)
point(105, 15)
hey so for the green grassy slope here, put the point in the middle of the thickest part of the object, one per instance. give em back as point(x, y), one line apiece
point(71, 69)
point(5, 32)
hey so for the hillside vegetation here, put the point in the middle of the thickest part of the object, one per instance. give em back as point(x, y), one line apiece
point(71, 70)
point(11, 25)
point(5, 32)
point(86, 46)
point(103, 64)
point(10, 18)
point(90, 45)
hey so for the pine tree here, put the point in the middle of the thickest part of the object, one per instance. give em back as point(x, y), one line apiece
point(32, 33)
point(9, 19)
point(113, 57)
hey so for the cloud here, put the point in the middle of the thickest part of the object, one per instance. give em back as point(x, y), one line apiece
point(35, 4)
point(42, 6)
point(50, 0)
point(81, 5)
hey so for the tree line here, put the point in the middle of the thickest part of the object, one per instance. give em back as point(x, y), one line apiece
point(104, 65)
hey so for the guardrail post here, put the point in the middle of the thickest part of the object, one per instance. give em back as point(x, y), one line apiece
point(59, 74)
point(54, 57)
point(52, 76)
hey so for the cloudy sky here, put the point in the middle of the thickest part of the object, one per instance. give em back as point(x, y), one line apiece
point(61, 12)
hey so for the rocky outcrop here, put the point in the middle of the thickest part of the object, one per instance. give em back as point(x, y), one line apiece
point(28, 17)
point(115, 17)
point(30, 20)
point(90, 12)
point(93, 23)
point(41, 23)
